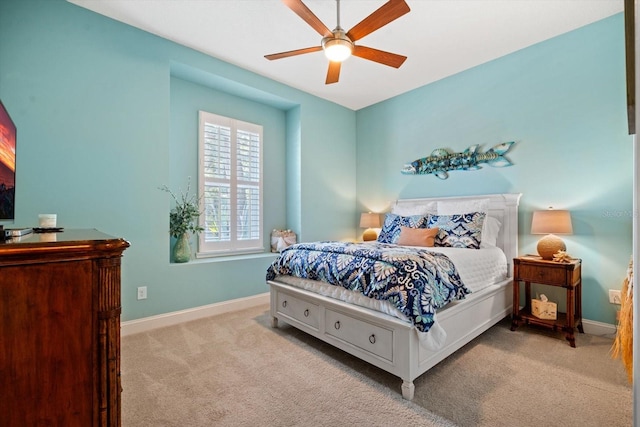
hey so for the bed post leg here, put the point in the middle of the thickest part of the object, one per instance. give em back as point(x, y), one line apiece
point(407, 389)
point(274, 322)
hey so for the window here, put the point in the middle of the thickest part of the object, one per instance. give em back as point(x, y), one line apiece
point(230, 172)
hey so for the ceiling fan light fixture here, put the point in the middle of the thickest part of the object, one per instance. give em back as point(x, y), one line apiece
point(337, 48)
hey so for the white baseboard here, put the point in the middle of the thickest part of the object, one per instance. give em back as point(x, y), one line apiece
point(145, 324)
point(168, 319)
point(593, 327)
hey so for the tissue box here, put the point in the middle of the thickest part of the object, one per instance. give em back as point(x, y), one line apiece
point(544, 309)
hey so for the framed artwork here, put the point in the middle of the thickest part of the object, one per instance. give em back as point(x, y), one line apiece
point(7, 165)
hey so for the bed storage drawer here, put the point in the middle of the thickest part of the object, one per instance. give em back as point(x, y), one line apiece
point(371, 338)
point(298, 309)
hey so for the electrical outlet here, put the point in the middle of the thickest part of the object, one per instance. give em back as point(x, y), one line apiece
point(614, 296)
point(142, 292)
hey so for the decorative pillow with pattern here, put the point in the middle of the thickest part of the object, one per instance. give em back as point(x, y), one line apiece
point(458, 231)
point(392, 223)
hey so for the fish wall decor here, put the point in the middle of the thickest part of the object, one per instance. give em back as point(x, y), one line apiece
point(441, 160)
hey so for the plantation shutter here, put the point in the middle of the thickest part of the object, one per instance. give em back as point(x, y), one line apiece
point(231, 185)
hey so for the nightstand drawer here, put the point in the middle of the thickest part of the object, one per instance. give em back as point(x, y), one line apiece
point(548, 275)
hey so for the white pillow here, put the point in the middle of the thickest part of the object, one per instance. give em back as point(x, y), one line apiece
point(421, 208)
point(490, 227)
point(490, 230)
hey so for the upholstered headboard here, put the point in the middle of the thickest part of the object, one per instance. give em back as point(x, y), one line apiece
point(503, 207)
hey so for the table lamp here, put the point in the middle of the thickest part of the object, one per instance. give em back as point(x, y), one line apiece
point(369, 221)
point(551, 222)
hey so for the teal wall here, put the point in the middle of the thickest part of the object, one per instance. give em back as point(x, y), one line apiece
point(107, 113)
point(563, 101)
point(187, 98)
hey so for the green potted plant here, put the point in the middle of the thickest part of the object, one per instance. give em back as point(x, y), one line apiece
point(183, 220)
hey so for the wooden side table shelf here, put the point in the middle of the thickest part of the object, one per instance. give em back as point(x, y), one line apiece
point(533, 269)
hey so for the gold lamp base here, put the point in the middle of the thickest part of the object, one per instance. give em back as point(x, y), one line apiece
point(369, 234)
point(549, 245)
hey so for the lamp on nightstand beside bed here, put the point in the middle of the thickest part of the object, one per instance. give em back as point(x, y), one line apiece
point(551, 222)
point(369, 221)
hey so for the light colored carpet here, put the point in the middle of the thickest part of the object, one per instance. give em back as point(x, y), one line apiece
point(530, 378)
point(235, 370)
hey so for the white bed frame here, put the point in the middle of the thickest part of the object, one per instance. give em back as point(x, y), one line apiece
point(388, 342)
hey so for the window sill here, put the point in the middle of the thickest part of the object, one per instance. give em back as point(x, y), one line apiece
point(238, 257)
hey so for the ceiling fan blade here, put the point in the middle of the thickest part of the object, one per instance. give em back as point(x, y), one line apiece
point(333, 74)
point(292, 53)
point(380, 56)
point(388, 12)
point(309, 17)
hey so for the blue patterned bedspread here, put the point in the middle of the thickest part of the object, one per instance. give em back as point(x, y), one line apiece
point(415, 280)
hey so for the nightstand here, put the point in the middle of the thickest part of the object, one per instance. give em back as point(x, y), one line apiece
point(533, 269)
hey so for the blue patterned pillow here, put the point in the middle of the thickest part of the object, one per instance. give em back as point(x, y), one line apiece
point(460, 230)
point(392, 222)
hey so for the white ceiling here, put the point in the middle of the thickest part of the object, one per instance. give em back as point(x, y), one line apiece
point(439, 37)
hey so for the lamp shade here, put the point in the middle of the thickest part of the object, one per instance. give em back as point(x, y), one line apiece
point(369, 220)
point(551, 222)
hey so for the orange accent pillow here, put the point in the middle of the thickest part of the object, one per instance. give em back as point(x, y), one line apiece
point(417, 236)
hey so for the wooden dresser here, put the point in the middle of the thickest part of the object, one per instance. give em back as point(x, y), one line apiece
point(60, 329)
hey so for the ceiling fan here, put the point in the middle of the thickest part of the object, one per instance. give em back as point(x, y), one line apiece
point(338, 45)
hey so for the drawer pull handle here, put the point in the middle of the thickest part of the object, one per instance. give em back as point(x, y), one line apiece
point(337, 325)
point(372, 339)
point(306, 313)
point(284, 303)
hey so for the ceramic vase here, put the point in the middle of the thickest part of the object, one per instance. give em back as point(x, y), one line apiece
point(182, 249)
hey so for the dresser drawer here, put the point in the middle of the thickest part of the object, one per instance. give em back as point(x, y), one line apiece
point(547, 275)
point(298, 309)
point(371, 338)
